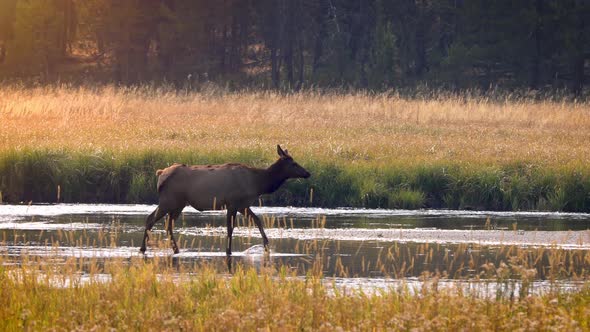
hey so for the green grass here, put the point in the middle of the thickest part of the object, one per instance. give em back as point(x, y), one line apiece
point(129, 177)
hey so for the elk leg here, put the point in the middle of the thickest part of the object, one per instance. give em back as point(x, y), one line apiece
point(258, 223)
point(172, 218)
point(149, 224)
point(231, 219)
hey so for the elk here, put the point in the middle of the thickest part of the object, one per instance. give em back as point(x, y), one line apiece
point(233, 187)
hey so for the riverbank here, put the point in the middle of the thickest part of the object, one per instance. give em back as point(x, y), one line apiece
point(70, 176)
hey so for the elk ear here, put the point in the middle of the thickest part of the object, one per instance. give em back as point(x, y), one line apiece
point(280, 151)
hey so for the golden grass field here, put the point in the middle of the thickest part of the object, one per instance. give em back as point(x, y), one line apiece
point(344, 128)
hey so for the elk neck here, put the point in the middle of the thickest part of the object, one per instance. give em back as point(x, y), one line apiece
point(271, 179)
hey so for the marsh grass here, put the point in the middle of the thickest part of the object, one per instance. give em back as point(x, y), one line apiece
point(372, 150)
point(135, 300)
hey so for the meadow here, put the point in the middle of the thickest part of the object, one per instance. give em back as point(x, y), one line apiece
point(364, 150)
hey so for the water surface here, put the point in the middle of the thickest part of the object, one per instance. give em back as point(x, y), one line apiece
point(352, 246)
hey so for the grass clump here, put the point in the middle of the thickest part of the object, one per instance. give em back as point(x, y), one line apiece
point(406, 199)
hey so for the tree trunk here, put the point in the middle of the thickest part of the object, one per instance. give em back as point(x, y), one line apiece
point(320, 17)
point(68, 27)
point(578, 56)
point(234, 53)
point(536, 61)
point(289, 41)
point(421, 65)
point(363, 53)
point(301, 64)
point(222, 51)
point(274, 67)
point(7, 17)
point(578, 79)
point(2, 53)
point(276, 44)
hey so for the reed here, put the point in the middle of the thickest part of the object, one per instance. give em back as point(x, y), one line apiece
point(247, 301)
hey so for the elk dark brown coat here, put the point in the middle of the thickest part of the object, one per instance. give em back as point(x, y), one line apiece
point(234, 187)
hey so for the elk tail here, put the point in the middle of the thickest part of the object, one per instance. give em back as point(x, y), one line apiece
point(158, 172)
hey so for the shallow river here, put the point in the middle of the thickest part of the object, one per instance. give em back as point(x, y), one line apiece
point(352, 247)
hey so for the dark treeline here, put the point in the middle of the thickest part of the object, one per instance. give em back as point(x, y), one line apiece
point(290, 44)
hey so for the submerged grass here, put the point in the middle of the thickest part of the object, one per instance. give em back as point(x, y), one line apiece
point(373, 150)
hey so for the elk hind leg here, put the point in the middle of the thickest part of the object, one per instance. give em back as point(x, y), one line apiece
point(149, 224)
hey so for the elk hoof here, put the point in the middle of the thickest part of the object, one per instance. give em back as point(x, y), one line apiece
point(228, 252)
point(142, 250)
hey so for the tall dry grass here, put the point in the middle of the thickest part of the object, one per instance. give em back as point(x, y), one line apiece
point(358, 127)
point(138, 298)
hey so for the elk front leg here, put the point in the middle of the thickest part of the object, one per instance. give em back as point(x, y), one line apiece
point(172, 218)
point(231, 219)
point(258, 223)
